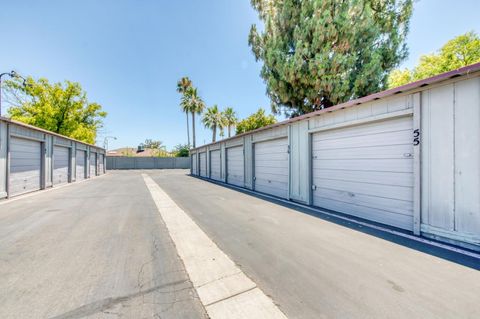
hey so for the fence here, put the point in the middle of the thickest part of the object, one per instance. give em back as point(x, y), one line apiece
point(124, 162)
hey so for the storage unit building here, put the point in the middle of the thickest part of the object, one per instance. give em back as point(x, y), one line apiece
point(194, 163)
point(235, 166)
point(101, 164)
point(93, 163)
point(81, 165)
point(215, 165)
point(408, 158)
point(203, 164)
point(32, 159)
point(61, 165)
point(25, 165)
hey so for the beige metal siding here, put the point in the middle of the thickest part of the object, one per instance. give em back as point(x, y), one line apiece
point(25, 166)
point(235, 166)
point(271, 167)
point(451, 161)
point(60, 165)
point(215, 165)
point(366, 171)
point(101, 164)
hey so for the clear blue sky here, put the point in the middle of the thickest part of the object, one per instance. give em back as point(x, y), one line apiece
point(128, 55)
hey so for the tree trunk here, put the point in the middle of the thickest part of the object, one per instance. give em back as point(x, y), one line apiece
point(193, 128)
point(188, 130)
point(214, 137)
point(229, 127)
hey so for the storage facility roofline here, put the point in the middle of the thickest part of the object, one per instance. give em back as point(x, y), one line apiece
point(8, 120)
point(464, 71)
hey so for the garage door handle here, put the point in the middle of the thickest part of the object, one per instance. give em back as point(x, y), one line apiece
point(254, 178)
point(407, 154)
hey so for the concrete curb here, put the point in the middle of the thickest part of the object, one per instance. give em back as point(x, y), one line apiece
point(224, 290)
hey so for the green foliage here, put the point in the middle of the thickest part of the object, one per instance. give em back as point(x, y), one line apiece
point(182, 150)
point(193, 103)
point(256, 120)
point(213, 119)
point(317, 53)
point(60, 108)
point(183, 84)
point(456, 53)
point(230, 119)
point(149, 143)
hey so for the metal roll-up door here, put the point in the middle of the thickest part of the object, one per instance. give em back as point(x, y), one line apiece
point(235, 166)
point(81, 165)
point(203, 164)
point(25, 166)
point(271, 167)
point(366, 171)
point(215, 166)
point(194, 164)
point(101, 165)
point(60, 165)
point(93, 164)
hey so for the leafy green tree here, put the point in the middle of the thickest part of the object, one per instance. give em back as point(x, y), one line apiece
point(213, 119)
point(317, 53)
point(456, 53)
point(153, 144)
point(256, 120)
point(192, 102)
point(230, 119)
point(182, 150)
point(182, 85)
point(60, 108)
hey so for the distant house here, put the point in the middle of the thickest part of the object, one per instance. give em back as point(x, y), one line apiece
point(138, 152)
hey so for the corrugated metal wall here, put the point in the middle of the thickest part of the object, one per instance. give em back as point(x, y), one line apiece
point(33, 159)
point(410, 160)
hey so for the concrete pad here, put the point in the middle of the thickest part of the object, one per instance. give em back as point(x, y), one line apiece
point(251, 304)
point(218, 281)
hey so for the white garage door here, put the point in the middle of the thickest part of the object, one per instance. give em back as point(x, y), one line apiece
point(215, 166)
point(203, 164)
point(80, 162)
point(366, 171)
point(25, 166)
point(93, 164)
point(271, 167)
point(101, 165)
point(194, 164)
point(235, 167)
point(60, 165)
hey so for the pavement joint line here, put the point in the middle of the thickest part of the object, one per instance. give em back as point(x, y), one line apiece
point(352, 220)
point(46, 190)
point(224, 290)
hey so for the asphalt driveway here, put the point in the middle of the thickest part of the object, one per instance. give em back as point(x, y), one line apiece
point(99, 249)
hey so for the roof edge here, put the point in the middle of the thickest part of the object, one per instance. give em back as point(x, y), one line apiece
point(466, 70)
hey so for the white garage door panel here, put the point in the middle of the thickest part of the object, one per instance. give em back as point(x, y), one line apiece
point(366, 171)
point(93, 164)
point(60, 165)
point(80, 165)
point(194, 164)
point(25, 166)
point(235, 166)
point(215, 166)
point(101, 166)
point(203, 164)
point(271, 167)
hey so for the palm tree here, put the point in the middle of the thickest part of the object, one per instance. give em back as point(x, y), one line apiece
point(230, 119)
point(182, 85)
point(194, 103)
point(213, 119)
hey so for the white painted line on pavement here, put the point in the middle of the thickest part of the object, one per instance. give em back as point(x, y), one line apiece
point(224, 290)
